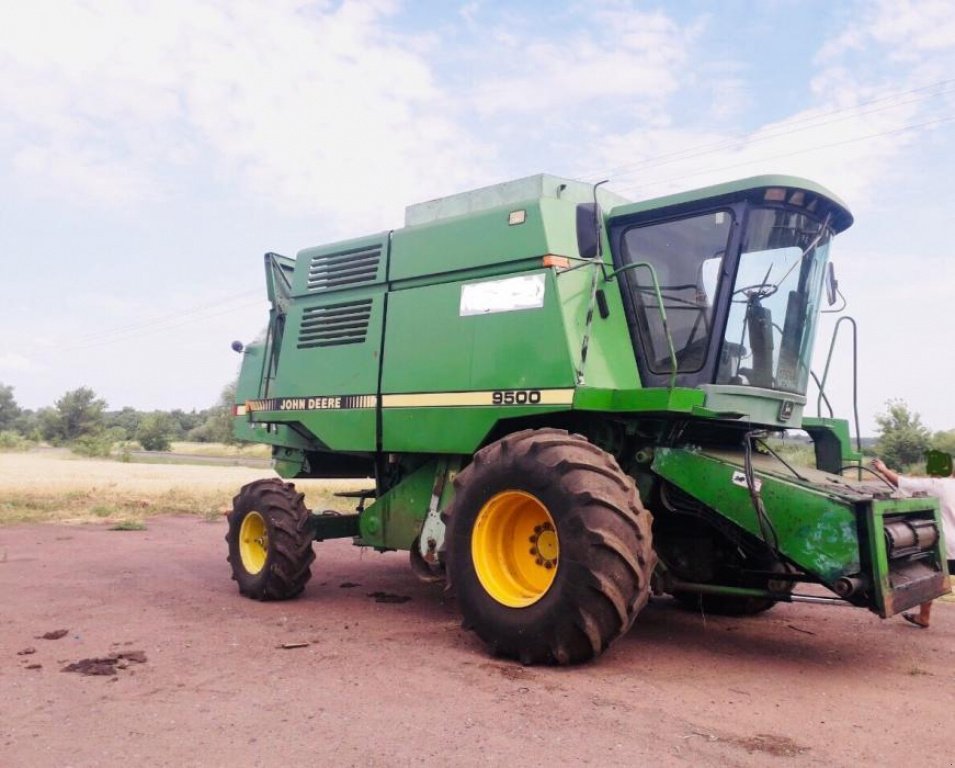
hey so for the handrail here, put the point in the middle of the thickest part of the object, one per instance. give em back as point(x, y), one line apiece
point(855, 375)
point(663, 314)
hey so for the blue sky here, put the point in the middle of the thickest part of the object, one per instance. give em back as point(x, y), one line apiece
point(151, 152)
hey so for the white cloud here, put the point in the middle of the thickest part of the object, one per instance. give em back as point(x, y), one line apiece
point(303, 105)
point(312, 108)
point(907, 29)
point(852, 138)
point(626, 53)
point(11, 361)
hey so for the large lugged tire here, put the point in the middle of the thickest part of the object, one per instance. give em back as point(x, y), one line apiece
point(549, 548)
point(270, 542)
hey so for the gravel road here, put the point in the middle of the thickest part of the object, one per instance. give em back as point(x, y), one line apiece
point(191, 674)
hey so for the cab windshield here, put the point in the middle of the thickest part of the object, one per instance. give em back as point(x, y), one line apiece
point(774, 302)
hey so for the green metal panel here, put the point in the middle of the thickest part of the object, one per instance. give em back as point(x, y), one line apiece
point(447, 429)
point(485, 237)
point(394, 519)
point(839, 429)
point(650, 400)
point(328, 364)
point(891, 599)
point(351, 430)
point(827, 525)
point(610, 360)
point(755, 405)
point(816, 529)
point(456, 363)
point(338, 266)
point(465, 242)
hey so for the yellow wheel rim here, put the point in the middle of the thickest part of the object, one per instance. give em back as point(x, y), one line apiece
point(515, 548)
point(253, 542)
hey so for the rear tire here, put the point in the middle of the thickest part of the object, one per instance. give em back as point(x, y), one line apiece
point(270, 541)
point(549, 548)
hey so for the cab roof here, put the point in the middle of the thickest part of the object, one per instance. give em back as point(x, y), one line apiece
point(770, 188)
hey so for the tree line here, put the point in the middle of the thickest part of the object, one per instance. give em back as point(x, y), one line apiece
point(81, 420)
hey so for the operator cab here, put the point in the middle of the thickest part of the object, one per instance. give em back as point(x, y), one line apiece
point(738, 271)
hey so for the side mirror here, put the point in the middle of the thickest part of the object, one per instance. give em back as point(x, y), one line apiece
point(832, 285)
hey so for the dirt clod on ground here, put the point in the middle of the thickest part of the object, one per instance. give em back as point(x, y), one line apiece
point(26, 651)
point(388, 597)
point(105, 665)
point(777, 746)
point(55, 634)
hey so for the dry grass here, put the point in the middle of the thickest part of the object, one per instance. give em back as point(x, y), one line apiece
point(251, 451)
point(56, 486)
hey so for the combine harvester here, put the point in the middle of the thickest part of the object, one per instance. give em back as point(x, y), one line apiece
point(564, 399)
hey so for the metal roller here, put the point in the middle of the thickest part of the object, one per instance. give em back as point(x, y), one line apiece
point(907, 537)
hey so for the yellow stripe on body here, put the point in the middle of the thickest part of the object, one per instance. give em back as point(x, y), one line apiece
point(522, 397)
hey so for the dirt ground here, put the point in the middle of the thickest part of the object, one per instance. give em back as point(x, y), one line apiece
point(198, 675)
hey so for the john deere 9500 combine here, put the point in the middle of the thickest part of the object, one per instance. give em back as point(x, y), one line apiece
point(563, 399)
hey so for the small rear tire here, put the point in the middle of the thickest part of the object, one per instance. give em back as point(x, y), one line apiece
point(270, 540)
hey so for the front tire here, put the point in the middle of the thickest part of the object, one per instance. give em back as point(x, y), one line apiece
point(549, 548)
point(270, 541)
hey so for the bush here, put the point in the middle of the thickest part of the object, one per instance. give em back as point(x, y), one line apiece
point(98, 444)
point(155, 431)
point(13, 441)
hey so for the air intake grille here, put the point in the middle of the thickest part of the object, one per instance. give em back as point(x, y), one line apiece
point(335, 325)
point(341, 269)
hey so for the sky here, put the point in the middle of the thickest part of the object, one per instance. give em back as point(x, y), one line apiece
point(151, 152)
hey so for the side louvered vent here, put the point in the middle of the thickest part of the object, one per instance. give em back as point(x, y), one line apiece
point(335, 325)
point(341, 269)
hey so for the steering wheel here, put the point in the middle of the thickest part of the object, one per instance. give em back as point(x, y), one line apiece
point(757, 290)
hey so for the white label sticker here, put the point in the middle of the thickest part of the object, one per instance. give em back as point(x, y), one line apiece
point(508, 295)
point(739, 478)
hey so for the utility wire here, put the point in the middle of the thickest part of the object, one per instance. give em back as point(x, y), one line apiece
point(809, 122)
point(185, 318)
point(123, 330)
point(768, 135)
point(804, 150)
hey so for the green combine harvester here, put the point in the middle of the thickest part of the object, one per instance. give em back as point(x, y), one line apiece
point(565, 400)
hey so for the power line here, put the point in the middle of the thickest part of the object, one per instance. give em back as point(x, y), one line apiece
point(170, 323)
point(938, 88)
point(815, 148)
point(159, 320)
